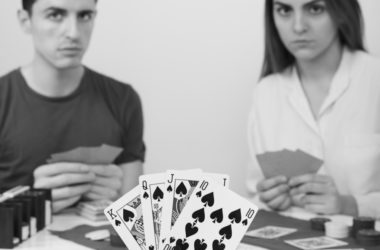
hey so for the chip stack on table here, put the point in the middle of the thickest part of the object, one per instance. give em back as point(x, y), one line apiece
point(93, 210)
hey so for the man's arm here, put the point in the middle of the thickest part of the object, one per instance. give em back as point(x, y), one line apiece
point(131, 173)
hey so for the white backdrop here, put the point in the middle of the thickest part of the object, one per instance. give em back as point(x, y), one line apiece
point(194, 64)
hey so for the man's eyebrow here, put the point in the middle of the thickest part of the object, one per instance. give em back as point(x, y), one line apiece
point(55, 9)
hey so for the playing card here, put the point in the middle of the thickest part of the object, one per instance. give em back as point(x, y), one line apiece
point(104, 154)
point(271, 232)
point(214, 218)
point(316, 243)
point(126, 217)
point(152, 195)
point(288, 163)
point(179, 186)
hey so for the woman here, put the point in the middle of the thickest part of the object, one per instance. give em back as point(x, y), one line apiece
point(319, 93)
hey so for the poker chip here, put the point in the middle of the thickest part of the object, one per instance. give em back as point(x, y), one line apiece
point(318, 223)
point(360, 223)
point(368, 237)
point(115, 239)
point(336, 230)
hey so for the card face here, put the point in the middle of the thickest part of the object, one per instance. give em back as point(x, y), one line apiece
point(214, 218)
point(126, 217)
point(152, 195)
point(288, 163)
point(316, 243)
point(271, 232)
point(179, 186)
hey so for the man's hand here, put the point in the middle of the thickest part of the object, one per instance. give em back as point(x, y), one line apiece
point(107, 183)
point(275, 192)
point(320, 195)
point(68, 181)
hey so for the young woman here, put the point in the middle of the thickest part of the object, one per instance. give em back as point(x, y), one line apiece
point(319, 93)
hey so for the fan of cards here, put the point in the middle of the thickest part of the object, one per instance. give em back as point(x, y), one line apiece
point(181, 210)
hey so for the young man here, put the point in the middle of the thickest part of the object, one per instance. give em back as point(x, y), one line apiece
point(55, 104)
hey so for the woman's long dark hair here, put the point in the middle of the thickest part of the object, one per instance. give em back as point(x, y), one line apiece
point(347, 16)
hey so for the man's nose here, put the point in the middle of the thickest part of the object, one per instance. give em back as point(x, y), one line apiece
point(72, 28)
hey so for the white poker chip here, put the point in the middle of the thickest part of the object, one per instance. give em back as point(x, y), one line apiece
point(336, 230)
point(98, 234)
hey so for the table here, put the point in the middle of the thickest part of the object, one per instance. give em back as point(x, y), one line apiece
point(68, 219)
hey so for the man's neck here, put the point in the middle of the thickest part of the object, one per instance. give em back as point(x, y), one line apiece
point(50, 81)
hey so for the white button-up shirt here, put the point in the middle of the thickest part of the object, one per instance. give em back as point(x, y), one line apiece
point(345, 135)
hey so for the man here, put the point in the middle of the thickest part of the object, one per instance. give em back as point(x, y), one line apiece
point(55, 104)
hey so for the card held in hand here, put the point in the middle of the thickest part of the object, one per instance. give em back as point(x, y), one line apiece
point(214, 218)
point(126, 217)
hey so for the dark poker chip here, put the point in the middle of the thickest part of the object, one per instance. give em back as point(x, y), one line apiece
point(368, 237)
point(360, 223)
point(318, 223)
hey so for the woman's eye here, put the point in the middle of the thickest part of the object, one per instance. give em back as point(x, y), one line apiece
point(316, 9)
point(283, 10)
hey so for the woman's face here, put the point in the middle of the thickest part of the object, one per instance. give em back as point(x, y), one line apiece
point(305, 27)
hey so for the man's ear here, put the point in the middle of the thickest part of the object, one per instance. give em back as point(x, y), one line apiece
point(24, 20)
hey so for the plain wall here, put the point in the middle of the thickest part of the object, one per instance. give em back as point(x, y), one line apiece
point(194, 64)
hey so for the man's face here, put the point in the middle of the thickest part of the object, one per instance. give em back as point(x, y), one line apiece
point(61, 30)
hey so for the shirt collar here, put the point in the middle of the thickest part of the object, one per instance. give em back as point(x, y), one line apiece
point(339, 85)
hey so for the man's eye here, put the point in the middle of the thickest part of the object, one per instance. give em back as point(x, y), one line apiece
point(55, 16)
point(316, 9)
point(86, 16)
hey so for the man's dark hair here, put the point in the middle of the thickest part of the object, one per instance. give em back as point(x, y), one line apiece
point(347, 16)
point(28, 4)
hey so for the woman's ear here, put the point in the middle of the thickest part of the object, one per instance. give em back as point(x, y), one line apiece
point(24, 20)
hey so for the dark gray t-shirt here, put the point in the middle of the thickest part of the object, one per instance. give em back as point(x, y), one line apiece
point(32, 127)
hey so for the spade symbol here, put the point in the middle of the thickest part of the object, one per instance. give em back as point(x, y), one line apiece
point(169, 189)
point(235, 216)
point(217, 215)
point(181, 245)
point(208, 199)
point(146, 195)
point(158, 194)
point(117, 222)
point(151, 247)
point(128, 215)
point(181, 189)
point(190, 230)
point(245, 222)
point(226, 231)
point(216, 245)
point(200, 245)
point(199, 194)
point(199, 215)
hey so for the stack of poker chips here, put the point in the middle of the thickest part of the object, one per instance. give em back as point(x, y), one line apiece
point(318, 223)
point(363, 229)
point(337, 230)
point(23, 212)
point(93, 210)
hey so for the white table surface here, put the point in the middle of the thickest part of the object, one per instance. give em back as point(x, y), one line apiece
point(64, 221)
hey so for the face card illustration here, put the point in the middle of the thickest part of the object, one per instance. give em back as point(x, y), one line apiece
point(125, 215)
point(316, 243)
point(152, 195)
point(214, 218)
point(179, 185)
point(271, 232)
